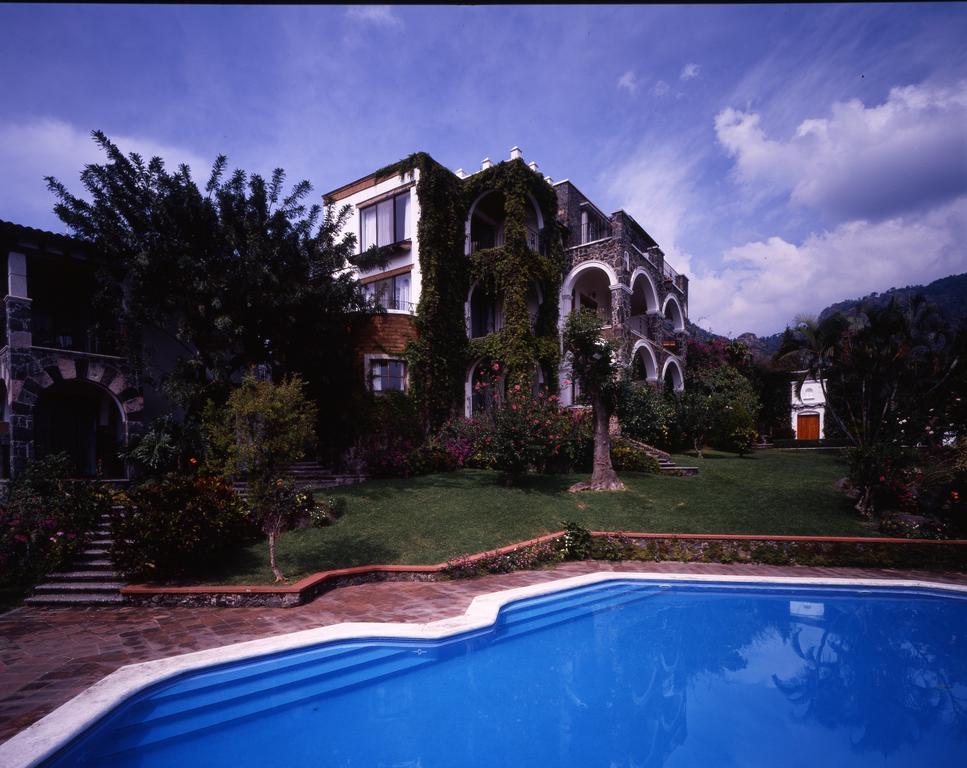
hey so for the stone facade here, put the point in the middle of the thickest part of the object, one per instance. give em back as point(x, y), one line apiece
point(647, 304)
point(29, 373)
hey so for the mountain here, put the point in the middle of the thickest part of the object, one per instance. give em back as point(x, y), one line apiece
point(948, 293)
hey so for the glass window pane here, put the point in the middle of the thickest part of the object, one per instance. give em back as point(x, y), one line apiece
point(403, 216)
point(384, 223)
point(403, 292)
point(367, 237)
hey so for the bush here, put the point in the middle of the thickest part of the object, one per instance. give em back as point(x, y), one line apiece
point(644, 414)
point(45, 519)
point(627, 458)
point(734, 430)
point(177, 527)
point(576, 543)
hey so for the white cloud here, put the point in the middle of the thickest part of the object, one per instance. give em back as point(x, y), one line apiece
point(906, 154)
point(763, 285)
point(655, 188)
point(628, 81)
point(33, 149)
point(690, 71)
point(379, 15)
point(660, 88)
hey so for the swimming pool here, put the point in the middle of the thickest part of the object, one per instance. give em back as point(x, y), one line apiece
point(627, 671)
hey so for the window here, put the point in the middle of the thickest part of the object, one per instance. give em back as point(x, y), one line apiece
point(391, 293)
point(388, 375)
point(386, 222)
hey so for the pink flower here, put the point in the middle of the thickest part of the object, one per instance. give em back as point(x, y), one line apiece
point(495, 367)
point(516, 387)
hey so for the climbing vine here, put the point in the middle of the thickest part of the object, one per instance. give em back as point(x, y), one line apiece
point(439, 357)
point(509, 271)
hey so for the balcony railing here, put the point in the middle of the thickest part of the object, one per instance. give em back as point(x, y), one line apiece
point(670, 274)
point(396, 303)
point(639, 325)
point(532, 235)
point(95, 341)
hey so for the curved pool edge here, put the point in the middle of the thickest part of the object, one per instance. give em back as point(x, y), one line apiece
point(45, 737)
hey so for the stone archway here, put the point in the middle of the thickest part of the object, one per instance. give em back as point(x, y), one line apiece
point(71, 391)
point(672, 375)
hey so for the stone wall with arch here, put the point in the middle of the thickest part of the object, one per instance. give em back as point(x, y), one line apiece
point(33, 371)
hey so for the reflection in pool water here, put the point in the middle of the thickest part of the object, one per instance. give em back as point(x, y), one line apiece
point(616, 674)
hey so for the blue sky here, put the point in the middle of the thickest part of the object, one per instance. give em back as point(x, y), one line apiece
point(785, 157)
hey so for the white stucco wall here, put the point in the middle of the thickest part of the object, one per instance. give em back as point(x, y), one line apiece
point(405, 258)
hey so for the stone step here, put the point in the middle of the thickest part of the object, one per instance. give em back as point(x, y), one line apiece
point(103, 563)
point(66, 600)
point(99, 574)
point(70, 587)
point(680, 471)
point(105, 542)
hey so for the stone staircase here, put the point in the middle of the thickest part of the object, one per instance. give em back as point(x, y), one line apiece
point(665, 461)
point(310, 474)
point(91, 580)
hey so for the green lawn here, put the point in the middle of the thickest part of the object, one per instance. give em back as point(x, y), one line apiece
point(431, 519)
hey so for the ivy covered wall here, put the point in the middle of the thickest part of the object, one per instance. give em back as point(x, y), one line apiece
point(440, 358)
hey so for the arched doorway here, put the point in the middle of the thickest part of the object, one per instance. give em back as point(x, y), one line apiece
point(82, 420)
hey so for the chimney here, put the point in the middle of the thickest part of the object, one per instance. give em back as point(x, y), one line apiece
point(533, 166)
point(485, 164)
point(516, 154)
point(548, 179)
point(460, 173)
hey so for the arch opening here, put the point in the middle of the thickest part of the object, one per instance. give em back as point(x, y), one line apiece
point(672, 376)
point(674, 317)
point(486, 223)
point(592, 291)
point(82, 420)
point(644, 367)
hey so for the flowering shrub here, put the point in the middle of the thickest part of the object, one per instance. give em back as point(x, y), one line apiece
point(44, 520)
point(177, 527)
point(575, 544)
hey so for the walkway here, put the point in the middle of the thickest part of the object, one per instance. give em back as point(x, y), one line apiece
point(48, 655)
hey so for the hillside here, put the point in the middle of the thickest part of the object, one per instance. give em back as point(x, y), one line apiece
point(948, 293)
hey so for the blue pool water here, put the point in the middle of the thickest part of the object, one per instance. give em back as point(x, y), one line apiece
point(624, 673)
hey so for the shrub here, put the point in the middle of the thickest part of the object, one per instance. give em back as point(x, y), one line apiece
point(644, 414)
point(627, 458)
point(576, 543)
point(734, 430)
point(45, 519)
point(177, 527)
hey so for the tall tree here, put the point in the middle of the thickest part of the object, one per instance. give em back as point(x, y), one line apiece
point(594, 365)
point(240, 273)
point(885, 370)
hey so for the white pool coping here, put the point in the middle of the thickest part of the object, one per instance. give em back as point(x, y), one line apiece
point(39, 741)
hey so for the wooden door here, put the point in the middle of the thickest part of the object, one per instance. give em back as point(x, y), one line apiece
point(807, 427)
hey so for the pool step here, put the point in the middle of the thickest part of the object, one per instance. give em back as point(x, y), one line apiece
point(175, 716)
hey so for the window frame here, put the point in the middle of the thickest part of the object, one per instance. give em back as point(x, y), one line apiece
point(382, 359)
point(398, 237)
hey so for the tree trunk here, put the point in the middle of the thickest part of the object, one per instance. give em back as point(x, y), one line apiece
point(603, 476)
point(272, 562)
